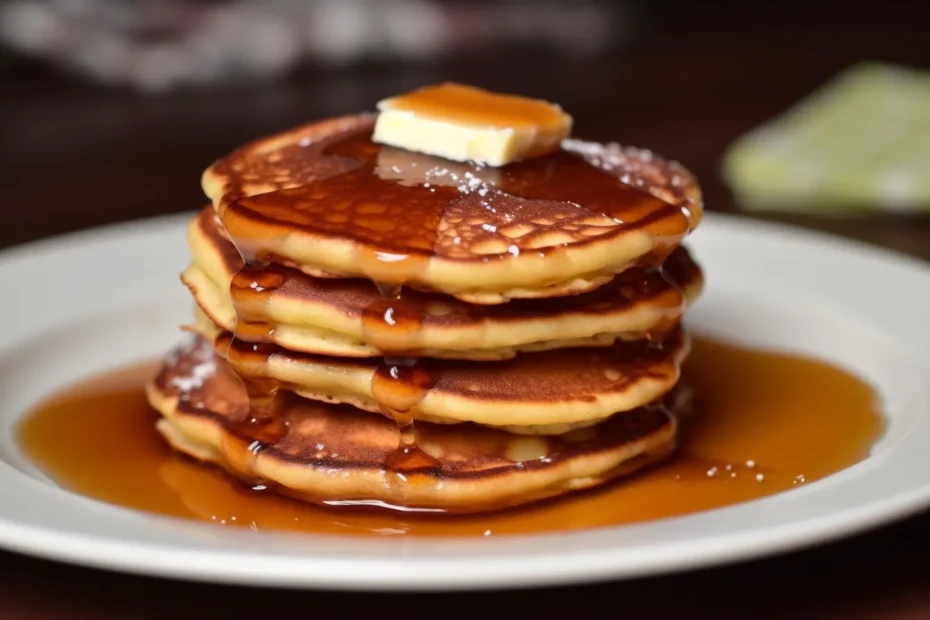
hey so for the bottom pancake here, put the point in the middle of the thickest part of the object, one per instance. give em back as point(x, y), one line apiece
point(336, 454)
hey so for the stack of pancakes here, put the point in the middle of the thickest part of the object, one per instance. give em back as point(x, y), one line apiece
point(377, 326)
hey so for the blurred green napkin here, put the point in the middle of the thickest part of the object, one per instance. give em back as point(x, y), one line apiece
point(860, 143)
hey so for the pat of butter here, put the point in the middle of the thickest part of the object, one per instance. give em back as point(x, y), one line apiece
point(464, 123)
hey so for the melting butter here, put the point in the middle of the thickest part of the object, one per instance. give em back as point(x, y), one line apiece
point(464, 123)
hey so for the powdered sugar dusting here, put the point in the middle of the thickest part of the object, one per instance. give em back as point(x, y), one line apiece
point(195, 362)
point(667, 180)
point(199, 374)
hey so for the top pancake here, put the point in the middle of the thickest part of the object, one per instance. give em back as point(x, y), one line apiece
point(325, 199)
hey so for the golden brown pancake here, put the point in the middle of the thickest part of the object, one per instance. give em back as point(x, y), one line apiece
point(345, 317)
point(336, 454)
point(535, 392)
point(327, 200)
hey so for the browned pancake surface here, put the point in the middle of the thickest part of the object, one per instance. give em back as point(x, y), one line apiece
point(336, 182)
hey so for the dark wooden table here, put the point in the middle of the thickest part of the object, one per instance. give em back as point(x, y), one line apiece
point(73, 157)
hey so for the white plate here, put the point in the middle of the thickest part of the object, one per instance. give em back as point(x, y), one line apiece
point(80, 304)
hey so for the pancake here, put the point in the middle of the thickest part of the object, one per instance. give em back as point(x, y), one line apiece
point(537, 393)
point(327, 200)
point(343, 317)
point(335, 454)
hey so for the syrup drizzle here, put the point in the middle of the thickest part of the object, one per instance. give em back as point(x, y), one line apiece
point(261, 427)
point(792, 420)
point(399, 383)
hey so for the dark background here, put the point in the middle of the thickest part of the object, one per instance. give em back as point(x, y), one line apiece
point(684, 79)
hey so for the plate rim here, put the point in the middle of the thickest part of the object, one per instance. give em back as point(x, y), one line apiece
point(332, 573)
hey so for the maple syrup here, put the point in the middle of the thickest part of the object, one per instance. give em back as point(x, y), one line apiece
point(262, 427)
point(763, 423)
point(401, 202)
point(399, 383)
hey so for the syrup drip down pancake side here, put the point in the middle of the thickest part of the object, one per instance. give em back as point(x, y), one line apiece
point(344, 317)
point(335, 454)
point(327, 200)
